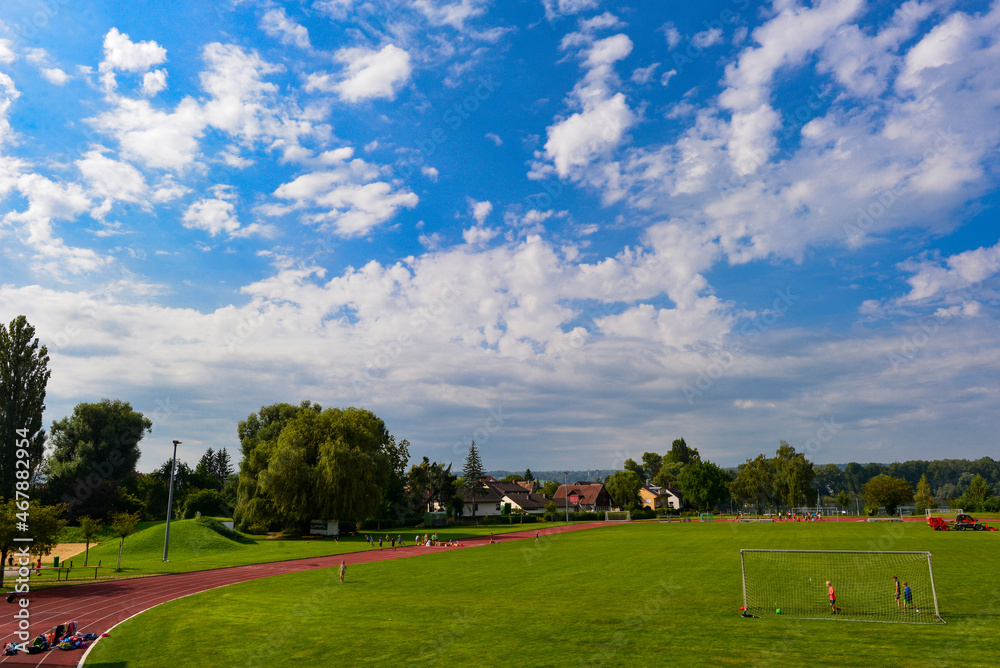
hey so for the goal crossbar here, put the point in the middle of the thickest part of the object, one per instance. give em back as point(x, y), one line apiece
point(793, 583)
point(617, 516)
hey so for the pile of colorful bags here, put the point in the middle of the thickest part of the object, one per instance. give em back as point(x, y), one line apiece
point(63, 636)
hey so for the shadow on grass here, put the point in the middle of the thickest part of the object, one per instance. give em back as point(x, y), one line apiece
point(109, 664)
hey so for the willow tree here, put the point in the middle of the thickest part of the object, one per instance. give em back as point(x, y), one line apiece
point(334, 464)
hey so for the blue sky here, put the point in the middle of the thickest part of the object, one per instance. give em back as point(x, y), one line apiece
point(573, 230)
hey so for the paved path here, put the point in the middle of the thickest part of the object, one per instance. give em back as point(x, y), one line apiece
point(98, 607)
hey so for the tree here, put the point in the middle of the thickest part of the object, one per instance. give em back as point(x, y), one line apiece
point(829, 479)
point(754, 482)
point(631, 465)
point(681, 453)
point(24, 374)
point(45, 524)
point(651, 462)
point(304, 463)
point(668, 475)
point(89, 528)
point(923, 498)
point(977, 493)
point(512, 477)
point(623, 486)
point(205, 501)
point(550, 488)
point(94, 456)
point(884, 490)
point(528, 475)
point(843, 499)
point(472, 470)
point(431, 485)
point(258, 439)
point(793, 476)
point(704, 484)
point(123, 525)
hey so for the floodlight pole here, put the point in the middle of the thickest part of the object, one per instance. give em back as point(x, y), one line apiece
point(170, 501)
point(566, 486)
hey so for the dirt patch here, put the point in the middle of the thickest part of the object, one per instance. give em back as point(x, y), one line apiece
point(67, 550)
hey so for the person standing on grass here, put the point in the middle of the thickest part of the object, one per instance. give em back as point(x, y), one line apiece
point(536, 536)
point(895, 584)
point(343, 570)
point(908, 598)
point(380, 543)
point(833, 598)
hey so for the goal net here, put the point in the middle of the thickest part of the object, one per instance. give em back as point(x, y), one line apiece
point(617, 516)
point(792, 583)
point(943, 512)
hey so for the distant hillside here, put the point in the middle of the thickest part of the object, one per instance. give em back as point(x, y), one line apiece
point(558, 476)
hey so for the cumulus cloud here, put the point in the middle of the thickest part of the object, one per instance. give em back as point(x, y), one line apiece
point(556, 8)
point(349, 199)
point(276, 23)
point(598, 128)
point(369, 74)
point(121, 53)
point(480, 210)
point(212, 215)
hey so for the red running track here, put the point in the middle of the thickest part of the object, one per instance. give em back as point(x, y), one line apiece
point(100, 606)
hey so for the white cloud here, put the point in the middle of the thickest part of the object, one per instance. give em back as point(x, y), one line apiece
point(7, 55)
point(584, 136)
point(708, 38)
point(370, 74)
point(153, 82)
point(642, 75)
point(599, 127)
point(430, 172)
point(931, 280)
point(277, 24)
point(494, 138)
point(556, 8)
point(156, 138)
point(212, 215)
point(349, 198)
point(454, 14)
point(672, 35)
point(48, 202)
point(111, 179)
point(55, 76)
point(478, 235)
point(121, 53)
point(480, 210)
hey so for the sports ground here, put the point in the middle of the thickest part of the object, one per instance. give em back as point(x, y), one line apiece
point(643, 593)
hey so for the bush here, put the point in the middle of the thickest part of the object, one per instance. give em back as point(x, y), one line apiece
point(204, 501)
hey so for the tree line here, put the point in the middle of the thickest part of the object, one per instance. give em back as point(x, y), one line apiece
point(304, 462)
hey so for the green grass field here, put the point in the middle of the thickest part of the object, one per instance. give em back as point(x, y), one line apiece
point(630, 595)
point(195, 547)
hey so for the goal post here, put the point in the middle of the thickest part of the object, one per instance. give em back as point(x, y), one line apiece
point(793, 583)
point(617, 516)
point(943, 512)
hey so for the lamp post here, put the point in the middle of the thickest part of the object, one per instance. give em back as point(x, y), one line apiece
point(566, 488)
point(170, 501)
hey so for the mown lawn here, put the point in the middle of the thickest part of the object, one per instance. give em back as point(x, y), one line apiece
point(631, 595)
point(194, 547)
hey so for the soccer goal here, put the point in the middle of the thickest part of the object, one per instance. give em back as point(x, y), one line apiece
point(617, 516)
point(793, 583)
point(943, 512)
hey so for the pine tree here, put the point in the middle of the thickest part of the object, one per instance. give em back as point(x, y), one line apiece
point(473, 472)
